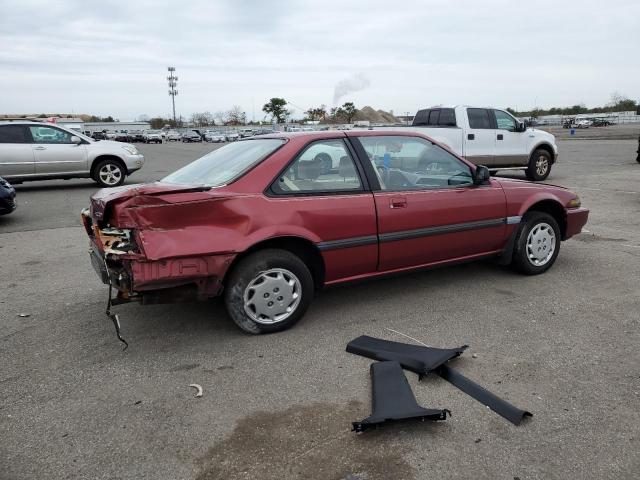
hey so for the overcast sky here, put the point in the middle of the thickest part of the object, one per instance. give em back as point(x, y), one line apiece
point(110, 57)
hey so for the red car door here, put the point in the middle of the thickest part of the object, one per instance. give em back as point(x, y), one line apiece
point(428, 208)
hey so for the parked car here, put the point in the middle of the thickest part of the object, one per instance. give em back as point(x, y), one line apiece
point(39, 151)
point(600, 122)
point(191, 136)
point(257, 222)
point(173, 136)
point(123, 137)
point(490, 137)
point(99, 135)
point(232, 136)
point(245, 132)
point(110, 136)
point(152, 136)
point(582, 124)
point(7, 197)
point(215, 137)
point(137, 136)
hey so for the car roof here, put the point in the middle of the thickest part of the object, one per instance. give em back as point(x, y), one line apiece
point(24, 122)
point(344, 133)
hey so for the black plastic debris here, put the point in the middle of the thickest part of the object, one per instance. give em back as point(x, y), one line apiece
point(423, 360)
point(501, 407)
point(416, 358)
point(392, 398)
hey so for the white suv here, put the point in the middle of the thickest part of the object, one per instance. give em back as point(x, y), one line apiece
point(41, 151)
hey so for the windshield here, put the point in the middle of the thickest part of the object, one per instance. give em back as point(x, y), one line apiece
point(225, 164)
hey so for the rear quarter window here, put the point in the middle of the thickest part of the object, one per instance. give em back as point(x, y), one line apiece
point(14, 134)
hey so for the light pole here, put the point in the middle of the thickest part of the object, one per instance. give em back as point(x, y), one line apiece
point(173, 82)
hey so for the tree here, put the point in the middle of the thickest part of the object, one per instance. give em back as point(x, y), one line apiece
point(219, 118)
point(275, 108)
point(348, 111)
point(236, 116)
point(318, 113)
point(203, 119)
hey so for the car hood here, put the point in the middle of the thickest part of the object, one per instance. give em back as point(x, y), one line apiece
point(508, 183)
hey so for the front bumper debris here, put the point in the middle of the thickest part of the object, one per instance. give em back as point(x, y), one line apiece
point(423, 360)
point(393, 400)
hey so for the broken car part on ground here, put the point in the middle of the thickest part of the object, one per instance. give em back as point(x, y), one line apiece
point(392, 398)
point(423, 360)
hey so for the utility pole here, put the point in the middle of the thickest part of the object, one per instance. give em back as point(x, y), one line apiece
point(173, 82)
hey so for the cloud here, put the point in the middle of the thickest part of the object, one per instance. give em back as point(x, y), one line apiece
point(110, 57)
point(353, 84)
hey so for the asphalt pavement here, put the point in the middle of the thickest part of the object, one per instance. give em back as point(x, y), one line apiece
point(563, 345)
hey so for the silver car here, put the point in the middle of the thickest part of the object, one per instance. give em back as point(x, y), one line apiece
point(40, 151)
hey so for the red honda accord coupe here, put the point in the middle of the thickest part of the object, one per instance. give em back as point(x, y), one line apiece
point(269, 220)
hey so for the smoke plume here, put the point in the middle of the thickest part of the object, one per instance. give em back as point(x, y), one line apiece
point(349, 85)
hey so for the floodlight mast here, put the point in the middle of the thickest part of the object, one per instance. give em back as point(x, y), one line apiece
point(173, 82)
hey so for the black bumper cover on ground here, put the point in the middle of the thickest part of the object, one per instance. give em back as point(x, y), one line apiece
point(392, 398)
point(423, 360)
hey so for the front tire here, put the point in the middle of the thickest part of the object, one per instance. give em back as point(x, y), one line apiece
point(537, 243)
point(539, 166)
point(109, 173)
point(268, 291)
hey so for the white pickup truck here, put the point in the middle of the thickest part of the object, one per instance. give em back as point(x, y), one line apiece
point(490, 137)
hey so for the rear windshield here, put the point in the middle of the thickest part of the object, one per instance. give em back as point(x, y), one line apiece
point(225, 164)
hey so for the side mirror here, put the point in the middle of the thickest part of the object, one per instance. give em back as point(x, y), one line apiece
point(76, 140)
point(522, 127)
point(481, 175)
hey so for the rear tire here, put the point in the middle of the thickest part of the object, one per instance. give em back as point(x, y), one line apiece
point(537, 243)
point(539, 165)
point(268, 291)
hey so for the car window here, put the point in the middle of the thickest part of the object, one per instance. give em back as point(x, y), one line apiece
point(324, 166)
point(505, 121)
point(447, 117)
point(410, 163)
point(479, 118)
point(433, 117)
point(49, 135)
point(421, 118)
point(14, 134)
point(225, 164)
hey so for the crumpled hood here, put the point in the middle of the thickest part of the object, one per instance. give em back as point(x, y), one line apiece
point(103, 197)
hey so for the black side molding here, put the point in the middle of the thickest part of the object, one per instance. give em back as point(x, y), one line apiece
point(416, 358)
point(501, 407)
point(393, 400)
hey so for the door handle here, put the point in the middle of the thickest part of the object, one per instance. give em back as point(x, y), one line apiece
point(39, 148)
point(398, 202)
point(500, 136)
point(471, 136)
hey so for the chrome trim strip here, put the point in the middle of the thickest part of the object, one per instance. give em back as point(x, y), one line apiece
point(513, 220)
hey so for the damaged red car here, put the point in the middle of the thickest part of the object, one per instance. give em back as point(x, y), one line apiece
point(268, 221)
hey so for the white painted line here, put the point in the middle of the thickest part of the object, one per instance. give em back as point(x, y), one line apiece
point(627, 245)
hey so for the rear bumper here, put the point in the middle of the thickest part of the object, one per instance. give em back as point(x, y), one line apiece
point(576, 219)
point(156, 279)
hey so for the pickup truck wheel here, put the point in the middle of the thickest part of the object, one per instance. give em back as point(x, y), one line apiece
point(109, 173)
point(539, 165)
point(268, 291)
point(537, 243)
